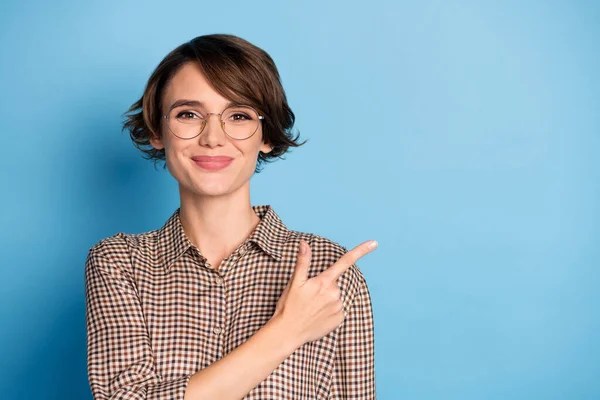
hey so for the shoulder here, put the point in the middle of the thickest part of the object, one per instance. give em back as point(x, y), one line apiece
point(326, 252)
point(117, 250)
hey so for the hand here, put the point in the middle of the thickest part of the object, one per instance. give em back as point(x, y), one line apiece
point(311, 308)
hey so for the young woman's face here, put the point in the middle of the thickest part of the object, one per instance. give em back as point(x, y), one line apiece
point(189, 83)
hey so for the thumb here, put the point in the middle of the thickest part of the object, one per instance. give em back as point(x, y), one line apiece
point(302, 263)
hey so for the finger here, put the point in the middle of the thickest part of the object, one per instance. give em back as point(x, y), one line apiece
point(286, 288)
point(302, 263)
point(332, 273)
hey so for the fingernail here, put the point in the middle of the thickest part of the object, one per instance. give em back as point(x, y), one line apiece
point(302, 248)
point(372, 244)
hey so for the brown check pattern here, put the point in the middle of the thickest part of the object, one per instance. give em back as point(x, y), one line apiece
point(156, 313)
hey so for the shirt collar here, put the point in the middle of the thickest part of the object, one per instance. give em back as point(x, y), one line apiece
point(270, 234)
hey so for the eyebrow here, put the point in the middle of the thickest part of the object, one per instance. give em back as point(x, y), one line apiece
point(195, 103)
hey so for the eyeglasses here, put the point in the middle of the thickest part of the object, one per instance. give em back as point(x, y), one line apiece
point(239, 122)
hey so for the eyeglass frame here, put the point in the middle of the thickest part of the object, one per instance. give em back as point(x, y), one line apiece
point(205, 121)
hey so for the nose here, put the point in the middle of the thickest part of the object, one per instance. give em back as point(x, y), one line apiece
point(213, 133)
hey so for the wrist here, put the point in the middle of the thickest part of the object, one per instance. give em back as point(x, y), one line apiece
point(287, 339)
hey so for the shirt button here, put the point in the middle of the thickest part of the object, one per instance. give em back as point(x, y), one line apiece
point(219, 280)
point(217, 330)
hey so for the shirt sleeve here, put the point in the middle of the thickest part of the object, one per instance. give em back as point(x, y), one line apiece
point(119, 355)
point(354, 368)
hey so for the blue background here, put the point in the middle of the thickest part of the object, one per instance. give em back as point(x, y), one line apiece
point(463, 136)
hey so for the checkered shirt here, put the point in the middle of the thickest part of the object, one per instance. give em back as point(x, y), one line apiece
point(156, 313)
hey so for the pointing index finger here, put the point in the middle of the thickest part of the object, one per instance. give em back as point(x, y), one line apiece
point(340, 266)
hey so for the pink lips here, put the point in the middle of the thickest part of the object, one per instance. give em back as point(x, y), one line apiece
point(212, 163)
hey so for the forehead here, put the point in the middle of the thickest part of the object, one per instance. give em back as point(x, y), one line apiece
point(189, 82)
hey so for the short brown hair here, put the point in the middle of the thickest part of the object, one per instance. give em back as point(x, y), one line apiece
point(239, 71)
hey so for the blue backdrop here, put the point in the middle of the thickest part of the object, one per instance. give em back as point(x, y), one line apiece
point(463, 136)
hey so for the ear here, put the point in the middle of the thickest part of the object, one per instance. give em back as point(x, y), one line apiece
point(266, 148)
point(157, 143)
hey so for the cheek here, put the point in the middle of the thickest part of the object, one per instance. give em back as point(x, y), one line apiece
point(176, 161)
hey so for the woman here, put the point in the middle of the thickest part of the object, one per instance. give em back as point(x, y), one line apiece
point(223, 301)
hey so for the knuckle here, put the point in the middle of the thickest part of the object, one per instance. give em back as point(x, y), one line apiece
point(335, 296)
point(321, 284)
point(342, 317)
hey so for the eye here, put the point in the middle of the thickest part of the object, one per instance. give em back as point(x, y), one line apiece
point(240, 117)
point(187, 115)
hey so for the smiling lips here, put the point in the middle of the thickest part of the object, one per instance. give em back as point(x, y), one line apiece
point(212, 163)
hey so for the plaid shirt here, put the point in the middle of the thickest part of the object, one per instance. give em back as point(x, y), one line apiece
point(156, 314)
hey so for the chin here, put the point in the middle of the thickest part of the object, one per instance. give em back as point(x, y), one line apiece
point(212, 189)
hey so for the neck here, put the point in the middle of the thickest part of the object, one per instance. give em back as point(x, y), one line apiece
point(217, 225)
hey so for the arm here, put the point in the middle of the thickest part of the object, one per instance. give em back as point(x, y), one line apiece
point(354, 368)
point(236, 374)
point(120, 359)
